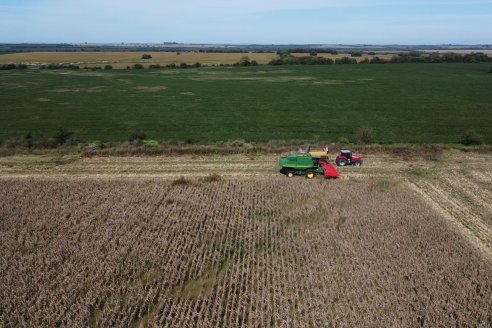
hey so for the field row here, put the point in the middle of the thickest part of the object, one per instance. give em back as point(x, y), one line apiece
point(464, 197)
point(208, 253)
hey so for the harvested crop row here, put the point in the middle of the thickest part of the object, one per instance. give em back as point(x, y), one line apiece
point(464, 200)
point(230, 253)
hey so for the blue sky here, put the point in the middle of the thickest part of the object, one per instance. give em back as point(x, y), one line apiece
point(253, 21)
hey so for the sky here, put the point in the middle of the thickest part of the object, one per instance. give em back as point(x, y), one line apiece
point(246, 22)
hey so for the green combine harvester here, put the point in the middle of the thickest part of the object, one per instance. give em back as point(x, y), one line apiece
point(306, 165)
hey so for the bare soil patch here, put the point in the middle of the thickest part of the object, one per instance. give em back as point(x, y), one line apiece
point(88, 90)
point(154, 88)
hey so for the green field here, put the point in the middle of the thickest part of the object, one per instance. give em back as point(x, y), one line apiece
point(404, 103)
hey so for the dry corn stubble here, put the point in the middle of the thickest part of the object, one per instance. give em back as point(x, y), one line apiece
point(233, 253)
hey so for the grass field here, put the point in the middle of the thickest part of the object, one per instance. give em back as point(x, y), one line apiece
point(125, 242)
point(432, 103)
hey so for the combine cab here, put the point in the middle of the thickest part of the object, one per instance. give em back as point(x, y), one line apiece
point(347, 158)
point(305, 164)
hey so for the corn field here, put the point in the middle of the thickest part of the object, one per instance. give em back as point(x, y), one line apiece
point(233, 253)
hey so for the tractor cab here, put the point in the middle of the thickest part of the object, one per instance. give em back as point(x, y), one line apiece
point(346, 153)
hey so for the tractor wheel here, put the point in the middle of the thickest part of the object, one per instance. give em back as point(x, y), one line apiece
point(341, 162)
point(309, 174)
point(290, 174)
point(358, 163)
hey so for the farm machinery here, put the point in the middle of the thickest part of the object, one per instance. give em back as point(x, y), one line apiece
point(346, 157)
point(311, 161)
point(307, 165)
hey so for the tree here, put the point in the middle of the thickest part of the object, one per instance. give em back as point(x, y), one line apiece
point(365, 135)
point(276, 62)
point(146, 56)
point(138, 66)
point(244, 61)
point(343, 141)
point(345, 60)
point(108, 67)
point(151, 143)
point(7, 67)
point(471, 137)
point(62, 135)
point(377, 60)
point(29, 140)
point(138, 135)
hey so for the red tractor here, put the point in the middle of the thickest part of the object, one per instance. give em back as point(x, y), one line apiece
point(347, 158)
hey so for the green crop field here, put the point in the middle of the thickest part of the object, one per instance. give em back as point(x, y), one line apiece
point(403, 103)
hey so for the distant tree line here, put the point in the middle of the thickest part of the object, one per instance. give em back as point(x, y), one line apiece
point(417, 57)
point(172, 65)
point(245, 61)
point(286, 58)
point(307, 51)
point(60, 66)
point(174, 47)
point(6, 67)
point(411, 57)
point(305, 60)
point(310, 60)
